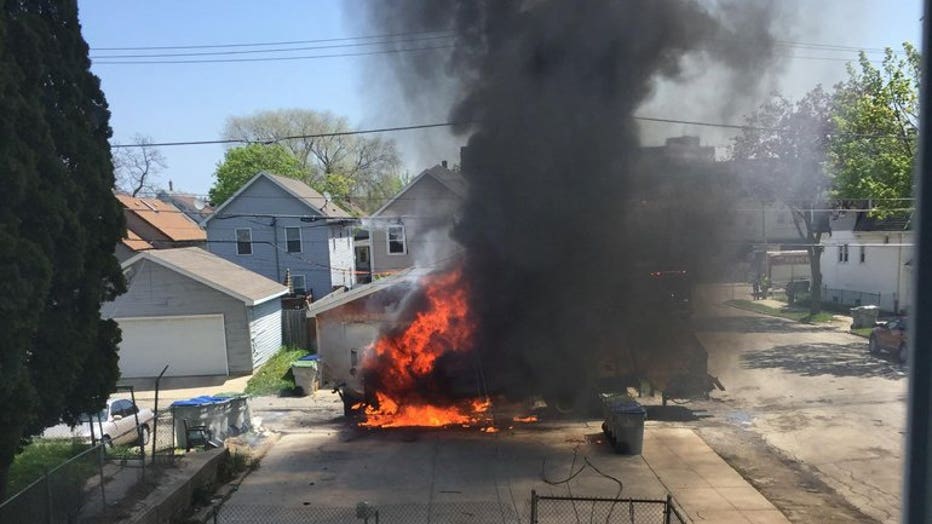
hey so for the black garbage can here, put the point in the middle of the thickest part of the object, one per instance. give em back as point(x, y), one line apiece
point(624, 425)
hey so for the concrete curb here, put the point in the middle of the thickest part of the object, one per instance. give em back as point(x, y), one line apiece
point(170, 501)
point(224, 492)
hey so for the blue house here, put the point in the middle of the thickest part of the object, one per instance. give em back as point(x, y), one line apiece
point(276, 226)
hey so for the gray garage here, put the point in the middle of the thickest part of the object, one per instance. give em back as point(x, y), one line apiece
point(196, 312)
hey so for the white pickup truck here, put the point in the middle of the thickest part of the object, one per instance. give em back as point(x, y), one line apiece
point(117, 425)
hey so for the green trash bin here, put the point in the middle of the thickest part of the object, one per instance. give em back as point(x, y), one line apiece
point(305, 375)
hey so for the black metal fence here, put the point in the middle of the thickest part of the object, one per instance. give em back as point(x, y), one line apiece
point(547, 509)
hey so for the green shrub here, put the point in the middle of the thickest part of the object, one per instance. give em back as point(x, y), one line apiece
point(38, 456)
point(275, 377)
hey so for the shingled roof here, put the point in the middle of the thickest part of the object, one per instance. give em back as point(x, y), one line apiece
point(165, 217)
point(215, 272)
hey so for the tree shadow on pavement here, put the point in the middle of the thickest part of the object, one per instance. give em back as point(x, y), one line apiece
point(755, 324)
point(840, 360)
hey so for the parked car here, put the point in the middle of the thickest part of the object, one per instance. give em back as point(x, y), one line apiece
point(117, 424)
point(890, 337)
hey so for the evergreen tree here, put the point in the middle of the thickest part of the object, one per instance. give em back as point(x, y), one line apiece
point(59, 223)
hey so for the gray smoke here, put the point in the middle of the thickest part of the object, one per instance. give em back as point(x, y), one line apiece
point(565, 214)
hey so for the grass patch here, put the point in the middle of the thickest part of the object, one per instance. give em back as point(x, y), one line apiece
point(797, 314)
point(863, 332)
point(38, 456)
point(275, 377)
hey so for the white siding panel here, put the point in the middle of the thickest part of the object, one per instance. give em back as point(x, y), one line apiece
point(265, 330)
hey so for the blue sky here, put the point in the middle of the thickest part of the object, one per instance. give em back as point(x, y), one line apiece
point(178, 102)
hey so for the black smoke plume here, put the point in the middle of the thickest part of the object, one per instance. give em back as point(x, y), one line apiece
point(566, 215)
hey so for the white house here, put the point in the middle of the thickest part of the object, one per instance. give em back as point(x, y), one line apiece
point(868, 260)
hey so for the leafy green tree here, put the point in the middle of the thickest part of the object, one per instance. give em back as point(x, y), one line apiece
point(876, 115)
point(782, 156)
point(357, 168)
point(242, 163)
point(59, 223)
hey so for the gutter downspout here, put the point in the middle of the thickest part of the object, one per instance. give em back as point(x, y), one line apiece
point(278, 266)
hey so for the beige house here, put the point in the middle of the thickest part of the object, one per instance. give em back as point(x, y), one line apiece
point(413, 228)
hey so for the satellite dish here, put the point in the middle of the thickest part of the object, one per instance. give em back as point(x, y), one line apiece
point(199, 204)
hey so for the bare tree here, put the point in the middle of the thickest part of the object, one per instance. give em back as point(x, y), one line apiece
point(137, 168)
point(350, 167)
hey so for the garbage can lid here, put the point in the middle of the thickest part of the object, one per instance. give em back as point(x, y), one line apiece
point(203, 400)
point(304, 363)
point(626, 407)
point(312, 357)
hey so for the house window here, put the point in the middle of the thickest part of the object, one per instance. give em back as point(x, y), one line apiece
point(298, 284)
point(843, 253)
point(396, 240)
point(244, 241)
point(862, 256)
point(293, 239)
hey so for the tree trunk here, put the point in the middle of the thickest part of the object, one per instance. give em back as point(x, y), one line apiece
point(815, 282)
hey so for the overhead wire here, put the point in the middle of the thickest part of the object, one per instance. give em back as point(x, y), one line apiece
point(451, 124)
point(271, 58)
point(259, 44)
point(271, 50)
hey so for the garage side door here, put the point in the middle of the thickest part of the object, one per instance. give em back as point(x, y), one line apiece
point(190, 345)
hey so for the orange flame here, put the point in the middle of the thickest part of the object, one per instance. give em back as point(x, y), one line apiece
point(403, 359)
point(527, 419)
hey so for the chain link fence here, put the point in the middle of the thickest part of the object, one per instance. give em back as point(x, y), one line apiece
point(459, 512)
point(61, 493)
point(110, 460)
point(537, 510)
point(558, 510)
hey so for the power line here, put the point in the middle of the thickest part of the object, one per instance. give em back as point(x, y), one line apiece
point(257, 44)
point(271, 58)
point(273, 50)
point(450, 124)
point(446, 33)
point(295, 137)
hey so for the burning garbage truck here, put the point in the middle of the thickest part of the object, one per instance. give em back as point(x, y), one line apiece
point(418, 360)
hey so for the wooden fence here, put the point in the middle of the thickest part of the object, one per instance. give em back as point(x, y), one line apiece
point(295, 328)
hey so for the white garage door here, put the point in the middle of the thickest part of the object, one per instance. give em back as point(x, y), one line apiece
point(190, 345)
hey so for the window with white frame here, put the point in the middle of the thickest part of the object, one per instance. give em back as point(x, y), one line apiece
point(244, 241)
point(293, 239)
point(843, 253)
point(862, 255)
point(396, 240)
point(298, 284)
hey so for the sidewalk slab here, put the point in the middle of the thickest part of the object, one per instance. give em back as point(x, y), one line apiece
point(702, 483)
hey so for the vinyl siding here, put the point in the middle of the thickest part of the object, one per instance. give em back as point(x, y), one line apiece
point(426, 210)
point(269, 249)
point(156, 291)
point(342, 259)
point(265, 328)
